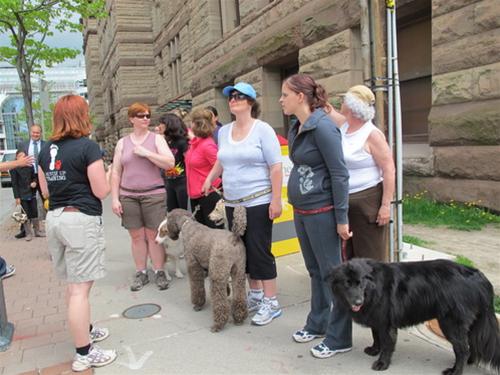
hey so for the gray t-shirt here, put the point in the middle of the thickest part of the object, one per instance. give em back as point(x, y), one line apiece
point(246, 163)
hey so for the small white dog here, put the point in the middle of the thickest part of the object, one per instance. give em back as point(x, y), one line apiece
point(173, 249)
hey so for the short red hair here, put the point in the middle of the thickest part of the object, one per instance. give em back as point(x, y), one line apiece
point(71, 118)
point(136, 108)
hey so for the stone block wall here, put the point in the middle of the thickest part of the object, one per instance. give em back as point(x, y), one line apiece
point(94, 83)
point(335, 62)
point(464, 122)
point(129, 58)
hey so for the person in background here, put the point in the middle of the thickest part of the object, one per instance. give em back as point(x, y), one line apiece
point(24, 184)
point(32, 147)
point(71, 173)
point(138, 193)
point(318, 191)
point(372, 175)
point(249, 160)
point(7, 270)
point(175, 133)
point(185, 116)
point(216, 124)
point(200, 159)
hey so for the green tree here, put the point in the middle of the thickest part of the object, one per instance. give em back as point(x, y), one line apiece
point(37, 115)
point(28, 24)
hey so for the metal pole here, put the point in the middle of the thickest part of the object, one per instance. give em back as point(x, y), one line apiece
point(399, 136)
point(6, 328)
point(390, 111)
point(365, 42)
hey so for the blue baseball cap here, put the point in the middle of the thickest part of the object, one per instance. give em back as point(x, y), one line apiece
point(243, 87)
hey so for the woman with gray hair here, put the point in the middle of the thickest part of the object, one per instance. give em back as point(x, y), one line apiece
point(371, 175)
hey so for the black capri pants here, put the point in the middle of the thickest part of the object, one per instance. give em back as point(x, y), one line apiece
point(30, 207)
point(261, 264)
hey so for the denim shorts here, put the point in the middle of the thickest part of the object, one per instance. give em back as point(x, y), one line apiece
point(76, 244)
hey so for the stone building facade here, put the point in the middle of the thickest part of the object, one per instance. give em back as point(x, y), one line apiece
point(185, 51)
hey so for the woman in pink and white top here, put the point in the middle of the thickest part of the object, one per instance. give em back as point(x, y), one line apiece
point(199, 160)
point(138, 193)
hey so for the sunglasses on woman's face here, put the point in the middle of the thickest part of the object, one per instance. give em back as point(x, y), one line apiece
point(143, 115)
point(237, 96)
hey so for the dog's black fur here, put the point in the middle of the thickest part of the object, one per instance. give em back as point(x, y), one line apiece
point(388, 296)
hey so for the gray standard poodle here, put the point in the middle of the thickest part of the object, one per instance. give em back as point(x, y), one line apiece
point(220, 254)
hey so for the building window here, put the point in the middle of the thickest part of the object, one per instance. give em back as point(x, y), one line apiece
point(229, 15)
point(174, 65)
point(415, 70)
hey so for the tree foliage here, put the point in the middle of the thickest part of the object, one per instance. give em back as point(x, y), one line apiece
point(28, 24)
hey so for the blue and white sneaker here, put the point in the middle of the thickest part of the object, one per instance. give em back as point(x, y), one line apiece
point(322, 351)
point(268, 311)
point(305, 336)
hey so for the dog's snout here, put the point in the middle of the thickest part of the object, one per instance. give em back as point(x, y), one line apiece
point(358, 301)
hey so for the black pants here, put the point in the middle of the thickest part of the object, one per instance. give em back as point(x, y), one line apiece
point(176, 193)
point(30, 207)
point(261, 264)
point(206, 206)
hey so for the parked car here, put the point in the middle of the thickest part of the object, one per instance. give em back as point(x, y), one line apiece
point(6, 155)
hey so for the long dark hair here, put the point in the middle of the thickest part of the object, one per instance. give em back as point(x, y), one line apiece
point(175, 128)
point(315, 94)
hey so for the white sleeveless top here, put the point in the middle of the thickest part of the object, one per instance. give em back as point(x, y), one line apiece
point(363, 171)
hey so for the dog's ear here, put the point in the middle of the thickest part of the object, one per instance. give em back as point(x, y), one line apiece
point(333, 276)
point(368, 272)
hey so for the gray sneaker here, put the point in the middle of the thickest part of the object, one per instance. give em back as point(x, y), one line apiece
point(267, 312)
point(253, 304)
point(140, 280)
point(161, 280)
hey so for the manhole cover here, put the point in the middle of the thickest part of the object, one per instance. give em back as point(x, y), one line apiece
point(144, 310)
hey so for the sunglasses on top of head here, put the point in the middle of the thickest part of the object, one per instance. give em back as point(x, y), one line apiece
point(237, 96)
point(143, 115)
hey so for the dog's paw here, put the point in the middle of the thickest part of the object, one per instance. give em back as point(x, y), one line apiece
point(380, 365)
point(216, 328)
point(197, 307)
point(371, 350)
point(450, 371)
point(179, 275)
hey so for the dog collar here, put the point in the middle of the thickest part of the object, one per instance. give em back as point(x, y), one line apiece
point(184, 223)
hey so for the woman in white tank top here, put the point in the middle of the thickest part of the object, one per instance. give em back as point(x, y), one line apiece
point(371, 174)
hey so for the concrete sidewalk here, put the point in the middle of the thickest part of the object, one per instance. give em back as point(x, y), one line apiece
point(178, 340)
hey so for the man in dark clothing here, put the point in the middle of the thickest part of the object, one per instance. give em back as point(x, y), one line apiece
point(32, 147)
point(24, 188)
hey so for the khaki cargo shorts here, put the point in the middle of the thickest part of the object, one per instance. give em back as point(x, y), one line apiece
point(143, 210)
point(76, 243)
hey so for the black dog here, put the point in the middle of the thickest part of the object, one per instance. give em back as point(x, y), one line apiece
point(388, 296)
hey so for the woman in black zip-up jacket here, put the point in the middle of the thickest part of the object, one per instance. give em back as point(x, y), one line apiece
point(318, 191)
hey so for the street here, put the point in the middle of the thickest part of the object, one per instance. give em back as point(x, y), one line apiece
point(6, 202)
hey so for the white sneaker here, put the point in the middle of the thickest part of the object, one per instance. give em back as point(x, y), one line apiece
point(267, 312)
point(98, 334)
point(97, 357)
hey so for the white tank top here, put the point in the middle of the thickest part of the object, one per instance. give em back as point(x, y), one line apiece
point(363, 171)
